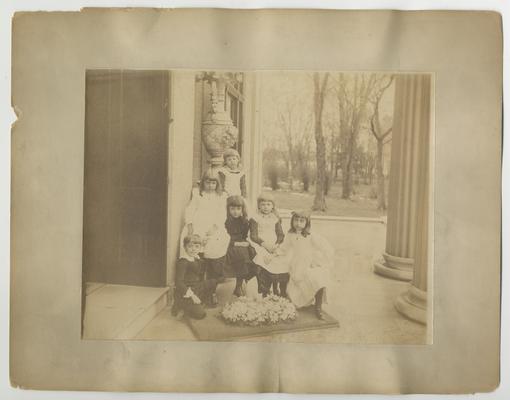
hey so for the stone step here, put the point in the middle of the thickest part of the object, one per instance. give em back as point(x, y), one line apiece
point(120, 311)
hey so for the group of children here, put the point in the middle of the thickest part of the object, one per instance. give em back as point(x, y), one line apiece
point(220, 234)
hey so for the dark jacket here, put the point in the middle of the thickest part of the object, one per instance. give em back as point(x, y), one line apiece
point(189, 274)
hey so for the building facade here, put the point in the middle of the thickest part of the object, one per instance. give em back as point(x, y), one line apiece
point(149, 137)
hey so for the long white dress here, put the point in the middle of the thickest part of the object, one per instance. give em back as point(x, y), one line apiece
point(208, 212)
point(310, 260)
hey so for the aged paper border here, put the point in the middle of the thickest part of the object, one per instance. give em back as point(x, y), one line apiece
point(50, 53)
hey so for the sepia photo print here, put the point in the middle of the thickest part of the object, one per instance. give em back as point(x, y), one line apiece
point(285, 206)
point(253, 201)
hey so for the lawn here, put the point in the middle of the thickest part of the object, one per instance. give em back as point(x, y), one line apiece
point(359, 205)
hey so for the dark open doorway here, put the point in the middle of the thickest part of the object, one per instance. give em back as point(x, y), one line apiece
point(126, 175)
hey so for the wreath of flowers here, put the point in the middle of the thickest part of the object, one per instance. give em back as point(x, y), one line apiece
point(266, 311)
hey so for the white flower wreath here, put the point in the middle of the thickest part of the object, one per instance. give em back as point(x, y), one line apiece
point(249, 311)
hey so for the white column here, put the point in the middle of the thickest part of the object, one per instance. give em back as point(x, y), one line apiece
point(413, 302)
point(180, 167)
point(252, 144)
point(409, 158)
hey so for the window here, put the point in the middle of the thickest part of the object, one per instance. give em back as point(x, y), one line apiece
point(234, 107)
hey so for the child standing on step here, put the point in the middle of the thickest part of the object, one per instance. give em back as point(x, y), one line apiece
point(192, 289)
point(239, 253)
point(266, 234)
point(232, 176)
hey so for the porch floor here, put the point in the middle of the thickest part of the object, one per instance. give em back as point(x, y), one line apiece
point(360, 300)
point(120, 311)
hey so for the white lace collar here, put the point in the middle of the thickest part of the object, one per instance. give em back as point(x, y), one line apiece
point(186, 256)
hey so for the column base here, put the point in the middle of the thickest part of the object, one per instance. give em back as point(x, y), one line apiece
point(393, 267)
point(413, 304)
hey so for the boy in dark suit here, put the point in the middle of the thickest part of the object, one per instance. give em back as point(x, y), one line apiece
point(191, 287)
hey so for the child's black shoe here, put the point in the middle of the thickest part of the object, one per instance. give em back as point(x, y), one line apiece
point(318, 312)
point(319, 297)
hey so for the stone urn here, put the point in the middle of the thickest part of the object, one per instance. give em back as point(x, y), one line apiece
point(218, 131)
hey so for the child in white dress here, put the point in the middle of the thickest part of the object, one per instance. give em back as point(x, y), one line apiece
point(309, 258)
point(205, 216)
point(233, 178)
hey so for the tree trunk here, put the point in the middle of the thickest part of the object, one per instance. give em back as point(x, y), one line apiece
point(347, 170)
point(332, 163)
point(371, 171)
point(319, 203)
point(381, 196)
point(290, 175)
point(337, 157)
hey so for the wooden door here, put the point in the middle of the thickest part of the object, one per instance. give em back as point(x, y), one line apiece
point(126, 177)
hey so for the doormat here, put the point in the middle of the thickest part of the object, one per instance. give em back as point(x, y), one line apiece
point(214, 328)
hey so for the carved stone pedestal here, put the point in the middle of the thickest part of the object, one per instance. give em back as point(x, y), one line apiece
point(218, 130)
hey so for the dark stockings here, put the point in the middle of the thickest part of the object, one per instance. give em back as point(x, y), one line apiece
point(283, 288)
point(251, 271)
point(239, 291)
point(280, 282)
point(319, 296)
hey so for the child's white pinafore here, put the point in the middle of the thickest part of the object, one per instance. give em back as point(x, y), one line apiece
point(232, 181)
point(204, 212)
point(267, 232)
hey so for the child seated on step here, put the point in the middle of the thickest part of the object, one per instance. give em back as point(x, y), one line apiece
point(309, 258)
point(192, 289)
point(240, 253)
point(266, 235)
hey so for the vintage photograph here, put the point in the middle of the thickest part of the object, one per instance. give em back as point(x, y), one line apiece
point(285, 206)
point(308, 200)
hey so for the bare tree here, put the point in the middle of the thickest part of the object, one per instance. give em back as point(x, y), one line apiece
point(333, 145)
point(319, 203)
point(296, 128)
point(302, 151)
point(381, 138)
point(352, 95)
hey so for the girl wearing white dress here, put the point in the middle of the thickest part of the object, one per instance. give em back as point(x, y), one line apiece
point(205, 216)
point(309, 258)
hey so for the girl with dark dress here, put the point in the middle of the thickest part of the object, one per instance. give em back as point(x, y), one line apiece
point(192, 289)
point(239, 253)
